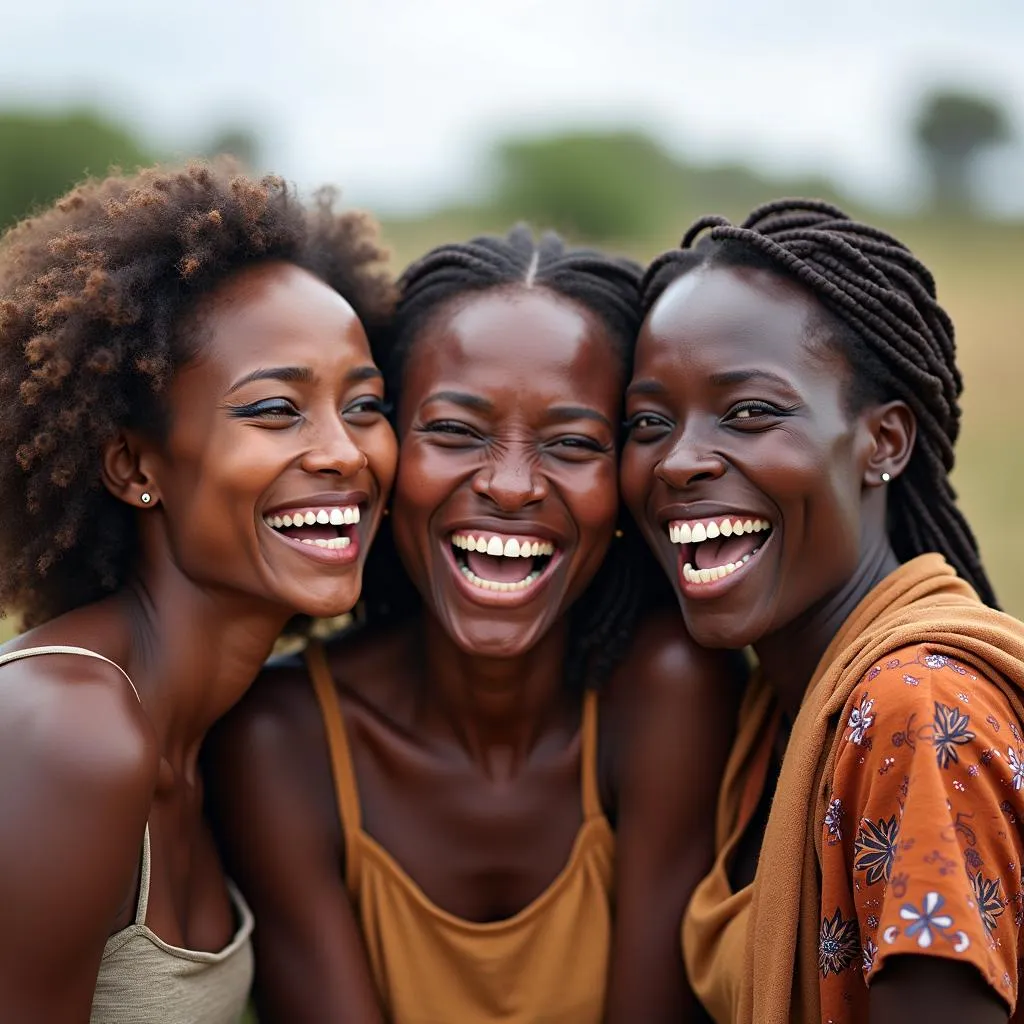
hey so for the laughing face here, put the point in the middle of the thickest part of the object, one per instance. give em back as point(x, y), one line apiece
point(271, 480)
point(506, 496)
point(744, 466)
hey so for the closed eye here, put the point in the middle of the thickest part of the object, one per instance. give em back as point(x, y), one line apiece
point(451, 429)
point(575, 446)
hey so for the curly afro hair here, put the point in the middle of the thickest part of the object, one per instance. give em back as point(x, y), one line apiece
point(95, 301)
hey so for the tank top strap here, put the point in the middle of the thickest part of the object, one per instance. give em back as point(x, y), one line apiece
point(30, 652)
point(345, 789)
point(588, 758)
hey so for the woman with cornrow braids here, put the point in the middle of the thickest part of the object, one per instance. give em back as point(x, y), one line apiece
point(791, 424)
point(190, 407)
point(425, 812)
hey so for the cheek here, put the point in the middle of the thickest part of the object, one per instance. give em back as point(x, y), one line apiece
point(591, 496)
point(381, 450)
point(636, 475)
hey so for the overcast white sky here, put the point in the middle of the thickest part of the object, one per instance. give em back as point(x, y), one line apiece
point(397, 99)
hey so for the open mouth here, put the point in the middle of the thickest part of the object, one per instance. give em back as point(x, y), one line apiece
point(715, 548)
point(331, 528)
point(499, 562)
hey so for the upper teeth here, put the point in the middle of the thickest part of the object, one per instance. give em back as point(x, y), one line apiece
point(334, 516)
point(685, 533)
point(499, 547)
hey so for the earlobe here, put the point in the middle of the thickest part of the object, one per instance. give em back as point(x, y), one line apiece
point(124, 472)
point(893, 429)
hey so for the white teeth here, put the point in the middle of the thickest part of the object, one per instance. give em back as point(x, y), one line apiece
point(511, 548)
point(323, 517)
point(495, 547)
point(333, 544)
point(336, 517)
point(684, 533)
point(716, 572)
point(479, 581)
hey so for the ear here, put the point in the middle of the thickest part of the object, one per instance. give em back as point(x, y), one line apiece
point(893, 429)
point(125, 471)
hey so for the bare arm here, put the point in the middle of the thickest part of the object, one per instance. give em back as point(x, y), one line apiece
point(934, 990)
point(78, 767)
point(272, 801)
point(678, 709)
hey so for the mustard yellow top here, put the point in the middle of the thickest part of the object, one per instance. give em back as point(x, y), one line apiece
point(546, 964)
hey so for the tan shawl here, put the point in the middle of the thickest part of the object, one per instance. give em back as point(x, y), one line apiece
point(922, 602)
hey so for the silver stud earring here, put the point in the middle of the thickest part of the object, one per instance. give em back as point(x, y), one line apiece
point(145, 497)
point(886, 478)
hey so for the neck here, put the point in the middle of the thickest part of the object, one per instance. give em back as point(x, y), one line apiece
point(496, 707)
point(192, 653)
point(790, 655)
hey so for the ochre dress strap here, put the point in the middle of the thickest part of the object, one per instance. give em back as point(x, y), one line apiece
point(345, 789)
point(588, 758)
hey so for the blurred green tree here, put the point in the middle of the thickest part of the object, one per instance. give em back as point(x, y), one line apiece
point(952, 129)
point(590, 185)
point(42, 156)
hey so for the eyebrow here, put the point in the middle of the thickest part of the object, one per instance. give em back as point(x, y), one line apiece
point(462, 398)
point(299, 375)
point(744, 376)
point(565, 413)
point(646, 387)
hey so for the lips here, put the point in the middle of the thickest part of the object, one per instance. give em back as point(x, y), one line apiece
point(716, 548)
point(493, 567)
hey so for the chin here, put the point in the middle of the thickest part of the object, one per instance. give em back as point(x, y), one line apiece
point(731, 631)
point(493, 638)
point(327, 605)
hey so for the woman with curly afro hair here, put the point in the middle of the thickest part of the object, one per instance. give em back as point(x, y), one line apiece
point(193, 450)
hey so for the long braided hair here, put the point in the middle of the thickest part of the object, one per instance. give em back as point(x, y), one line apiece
point(879, 304)
point(603, 619)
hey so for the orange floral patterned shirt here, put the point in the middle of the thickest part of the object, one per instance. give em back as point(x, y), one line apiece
point(922, 848)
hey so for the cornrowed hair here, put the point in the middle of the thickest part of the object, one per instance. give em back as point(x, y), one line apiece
point(603, 619)
point(97, 296)
point(879, 305)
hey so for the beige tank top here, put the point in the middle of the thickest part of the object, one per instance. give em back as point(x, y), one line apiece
point(144, 980)
point(545, 965)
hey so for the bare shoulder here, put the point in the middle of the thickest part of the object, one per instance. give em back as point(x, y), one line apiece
point(74, 718)
point(664, 661)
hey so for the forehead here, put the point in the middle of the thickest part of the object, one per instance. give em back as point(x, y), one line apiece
point(723, 317)
point(515, 343)
point(275, 314)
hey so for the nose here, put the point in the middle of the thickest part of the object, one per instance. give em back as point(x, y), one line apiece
point(334, 451)
point(688, 462)
point(510, 480)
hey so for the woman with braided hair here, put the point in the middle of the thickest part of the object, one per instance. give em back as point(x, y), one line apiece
point(480, 725)
point(193, 450)
point(792, 419)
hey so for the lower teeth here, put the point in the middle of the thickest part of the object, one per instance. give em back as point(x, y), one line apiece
point(692, 575)
point(333, 544)
point(479, 581)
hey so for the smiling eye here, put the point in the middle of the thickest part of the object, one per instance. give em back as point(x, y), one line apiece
point(646, 426)
point(267, 409)
point(753, 411)
point(365, 410)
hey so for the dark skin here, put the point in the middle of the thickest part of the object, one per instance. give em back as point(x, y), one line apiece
point(83, 764)
point(739, 408)
point(464, 738)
